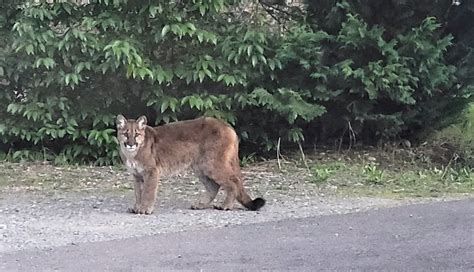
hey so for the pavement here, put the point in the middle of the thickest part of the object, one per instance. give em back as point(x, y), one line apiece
point(436, 236)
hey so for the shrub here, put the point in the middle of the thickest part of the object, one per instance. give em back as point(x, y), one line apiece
point(68, 69)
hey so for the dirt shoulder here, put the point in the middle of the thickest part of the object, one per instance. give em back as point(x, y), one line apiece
point(42, 206)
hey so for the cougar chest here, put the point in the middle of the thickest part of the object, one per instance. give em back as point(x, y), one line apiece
point(134, 167)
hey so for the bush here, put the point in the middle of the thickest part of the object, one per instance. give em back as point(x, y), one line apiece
point(68, 69)
point(413, 58)
point(71, 68)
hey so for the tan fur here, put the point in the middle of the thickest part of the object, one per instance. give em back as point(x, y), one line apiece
point(207, 145)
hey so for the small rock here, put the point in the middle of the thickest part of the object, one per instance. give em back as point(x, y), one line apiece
point(406, 144)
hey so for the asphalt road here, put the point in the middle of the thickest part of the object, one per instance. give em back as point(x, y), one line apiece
point(435, 236)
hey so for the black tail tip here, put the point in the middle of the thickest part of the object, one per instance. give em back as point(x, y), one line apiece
point(256, 204)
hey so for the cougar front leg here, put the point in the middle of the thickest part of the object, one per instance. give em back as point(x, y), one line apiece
point(138, 186)
point(148, 193)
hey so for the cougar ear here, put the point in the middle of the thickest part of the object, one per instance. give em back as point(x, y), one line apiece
point(121, 121)
point(141, 122)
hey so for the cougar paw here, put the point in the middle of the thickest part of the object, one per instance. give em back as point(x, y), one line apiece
point(222, 208)
point(141, 210)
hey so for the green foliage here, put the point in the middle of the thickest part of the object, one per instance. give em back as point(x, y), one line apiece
point(324, 171)
point(68, 69)
point(71, 68)
point(398, 71)
point(379, 86)
point(248, 159)
point(373, 174)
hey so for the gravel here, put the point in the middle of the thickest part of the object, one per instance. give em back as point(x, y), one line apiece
point(42, 206)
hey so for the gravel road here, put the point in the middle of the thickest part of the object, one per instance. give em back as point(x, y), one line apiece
point(43, 206)
point(421, 237)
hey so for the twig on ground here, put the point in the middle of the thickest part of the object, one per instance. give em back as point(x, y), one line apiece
point(303, 157)
point(278, 154)
point(352, 135)
point(340, 141)
point(454, 157)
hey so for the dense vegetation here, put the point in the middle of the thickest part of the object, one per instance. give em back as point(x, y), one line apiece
point(352, 70)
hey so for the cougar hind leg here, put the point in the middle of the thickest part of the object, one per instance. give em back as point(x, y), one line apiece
point(233, 186)
point(207, 197)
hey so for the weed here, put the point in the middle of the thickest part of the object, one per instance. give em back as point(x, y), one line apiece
point(248, 159)
point(461, 175)
point(372, 174)
point(321, 175)
point(322, 172)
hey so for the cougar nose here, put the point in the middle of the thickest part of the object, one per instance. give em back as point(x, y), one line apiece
point(131, 146)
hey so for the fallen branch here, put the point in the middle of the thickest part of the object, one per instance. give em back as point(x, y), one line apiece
point(303, 157)
point(278, 154)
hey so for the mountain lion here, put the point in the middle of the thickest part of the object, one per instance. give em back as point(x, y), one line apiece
point(206, 145)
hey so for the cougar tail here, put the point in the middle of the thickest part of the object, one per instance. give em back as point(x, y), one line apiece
point(253, 205)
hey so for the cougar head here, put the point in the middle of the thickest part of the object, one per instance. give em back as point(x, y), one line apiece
point(131, 133)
